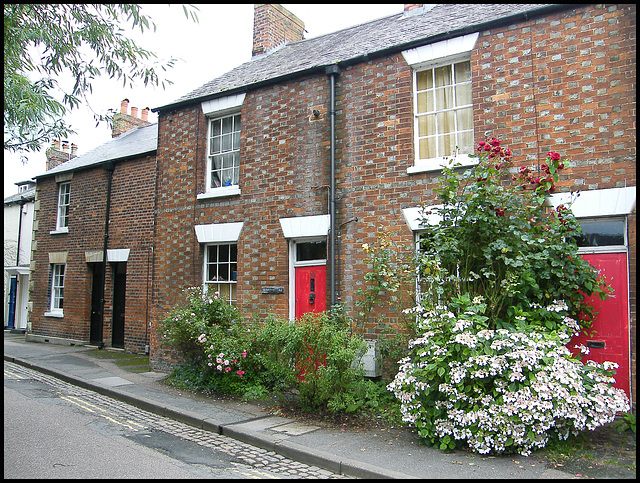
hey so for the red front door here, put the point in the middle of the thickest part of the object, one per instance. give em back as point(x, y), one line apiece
point(611, 340)
point(311, 289)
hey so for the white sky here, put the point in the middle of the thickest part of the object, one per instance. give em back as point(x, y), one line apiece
point(220, 41)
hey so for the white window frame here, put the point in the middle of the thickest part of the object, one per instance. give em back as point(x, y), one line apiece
point(438, 54)
point(233, 150)
point(217, 109)
point(440, 158)
point(232, 280)
point(56, 302)
point(64, 201)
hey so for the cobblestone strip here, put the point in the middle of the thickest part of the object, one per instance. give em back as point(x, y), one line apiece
point(136, 419)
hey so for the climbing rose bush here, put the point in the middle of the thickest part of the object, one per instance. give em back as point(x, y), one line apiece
point(500, 390)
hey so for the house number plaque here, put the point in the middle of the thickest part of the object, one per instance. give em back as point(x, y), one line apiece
point(272, 290)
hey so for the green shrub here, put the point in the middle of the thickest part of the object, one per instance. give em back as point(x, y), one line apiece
point(503, 289)
point(313, 357)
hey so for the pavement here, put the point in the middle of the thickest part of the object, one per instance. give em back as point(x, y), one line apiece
point(378, 453)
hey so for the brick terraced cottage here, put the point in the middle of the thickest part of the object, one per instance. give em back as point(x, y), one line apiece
point(271, 177)
point(91, 279)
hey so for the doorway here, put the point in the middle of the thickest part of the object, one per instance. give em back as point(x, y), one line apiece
point(309, 276)
point(603, 244)
point(119, 291)
point(95, 329)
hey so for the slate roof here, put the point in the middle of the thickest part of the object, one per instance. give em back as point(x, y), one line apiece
point(27, 195)
point(136, 142)
point(355, 44)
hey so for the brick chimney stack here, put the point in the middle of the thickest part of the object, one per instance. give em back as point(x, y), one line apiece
point(274, 25)
point(123, 121)
point(412, 6)
point(59, 153)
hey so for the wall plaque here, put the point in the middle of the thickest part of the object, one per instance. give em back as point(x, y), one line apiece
point(272, 290)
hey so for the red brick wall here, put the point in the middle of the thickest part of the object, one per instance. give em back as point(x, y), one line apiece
point(564, 83)
point(278, 178)
point(130, 227)
point(567, 83)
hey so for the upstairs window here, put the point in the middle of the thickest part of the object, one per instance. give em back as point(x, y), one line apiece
point(443, 112)
point(442, 102)
point(64, 194)
point(223, 165)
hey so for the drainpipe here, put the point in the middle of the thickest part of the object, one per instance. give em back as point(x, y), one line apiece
point(332, 71)
point(109, 167)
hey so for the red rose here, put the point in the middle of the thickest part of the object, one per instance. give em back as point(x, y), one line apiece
point(554, 156)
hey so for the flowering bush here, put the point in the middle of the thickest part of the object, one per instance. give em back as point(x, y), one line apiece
point(210, 335)
point(500, 390)
point(498, 238)
point(502, 291)
point(313, 356)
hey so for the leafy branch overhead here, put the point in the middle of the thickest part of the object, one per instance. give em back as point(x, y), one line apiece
point(81, 41)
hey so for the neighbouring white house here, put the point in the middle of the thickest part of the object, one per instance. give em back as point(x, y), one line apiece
point(18, 234)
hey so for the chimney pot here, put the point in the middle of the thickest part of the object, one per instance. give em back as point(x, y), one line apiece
point(65, 147)
point(124, 106)
point(134, 111)
point(412, 6)
point(145, 113)
point(74, 150)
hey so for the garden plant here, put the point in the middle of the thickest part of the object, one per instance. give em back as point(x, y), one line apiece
point(311, 358)
point(502, 291)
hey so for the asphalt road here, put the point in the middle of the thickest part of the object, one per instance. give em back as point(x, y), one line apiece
point(55, 430)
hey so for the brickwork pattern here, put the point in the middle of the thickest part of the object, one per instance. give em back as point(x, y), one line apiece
point(274, 25)
point(130, 227)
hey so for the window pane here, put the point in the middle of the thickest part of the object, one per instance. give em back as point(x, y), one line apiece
point(464, 118)
point(427, 148)
point(463, 72)
point(427, 125)
point(215, 127)
point(236, 123)
point(236, 169)
point(446, 122)
point(227, 125)
point(236, 140)
point(465, 142)
point(601, 233)
point(446, 145)
point(424, 79)
point(425, 102)
point(444, 98)
point(223, 253)
point(215, 146)
point(227, 140)
point(463, 95)
point(311, 251)
point(443, 76)
point(225, 291)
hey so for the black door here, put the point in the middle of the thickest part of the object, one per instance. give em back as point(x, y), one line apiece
point(119, 289)
point(95, 335)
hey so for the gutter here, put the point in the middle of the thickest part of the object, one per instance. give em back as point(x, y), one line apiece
point(332, 71)
point(109, 167)
point(518, 17)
